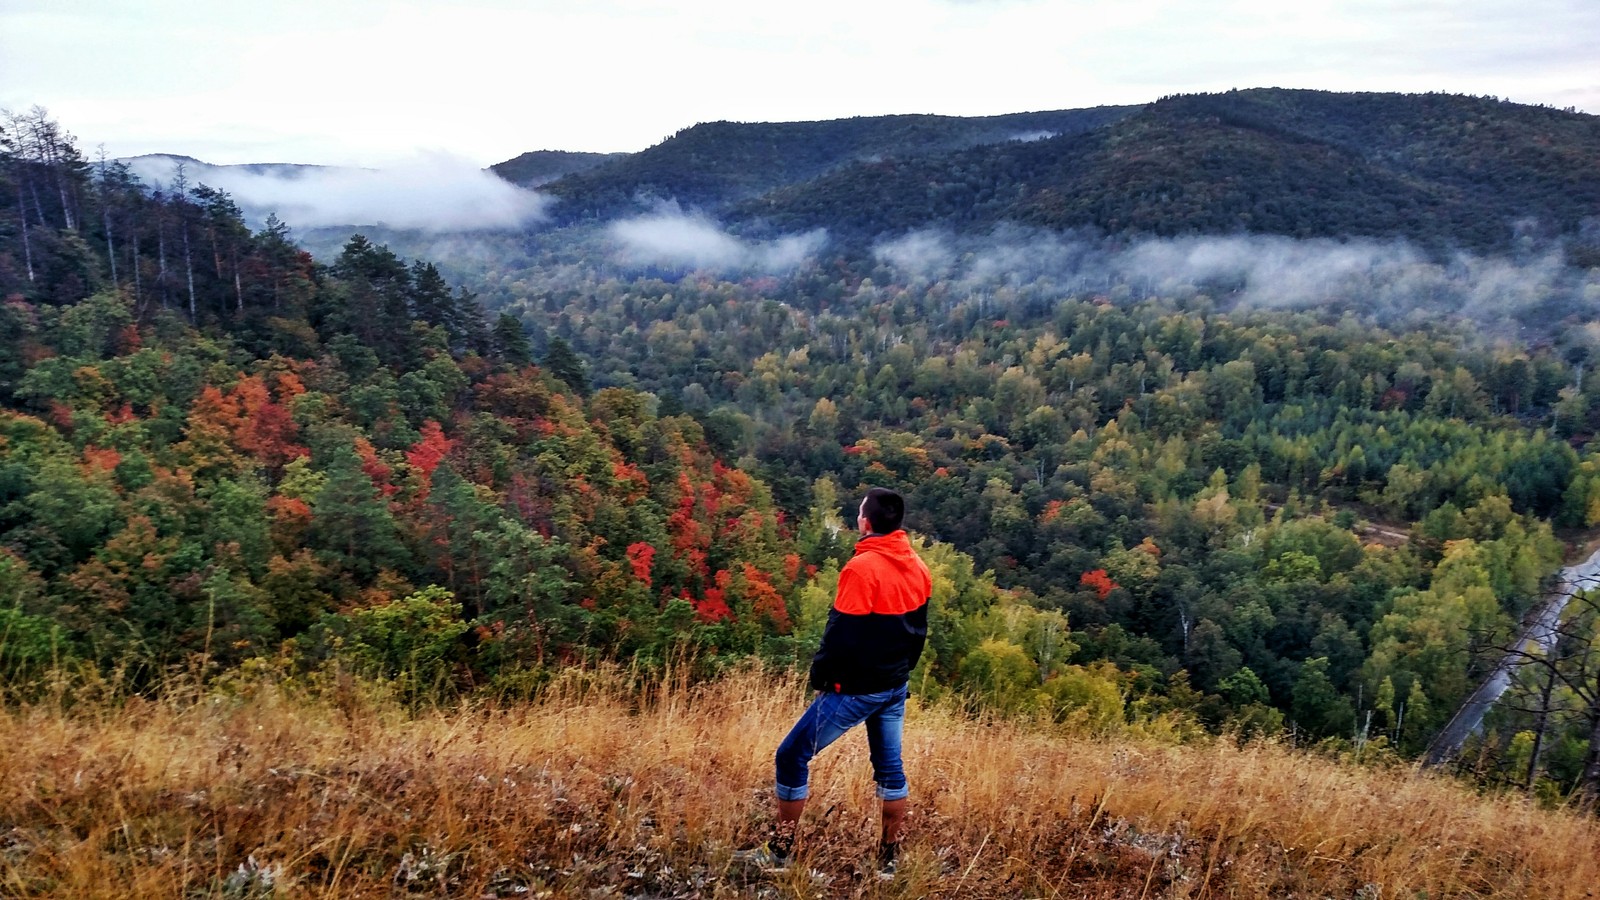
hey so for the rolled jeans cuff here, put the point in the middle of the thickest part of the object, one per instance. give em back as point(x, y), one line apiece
point(899, 793)
point(793, 793)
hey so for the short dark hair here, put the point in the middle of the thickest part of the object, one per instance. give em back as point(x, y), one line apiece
point(884, 509)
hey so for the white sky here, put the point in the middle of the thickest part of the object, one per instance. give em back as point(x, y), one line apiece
point(366, 82)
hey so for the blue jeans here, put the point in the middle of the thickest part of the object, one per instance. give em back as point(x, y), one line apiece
point(830, 716)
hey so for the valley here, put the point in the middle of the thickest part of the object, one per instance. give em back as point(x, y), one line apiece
point(1240, 433)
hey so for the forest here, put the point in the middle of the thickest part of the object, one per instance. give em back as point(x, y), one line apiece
point(1144, 505)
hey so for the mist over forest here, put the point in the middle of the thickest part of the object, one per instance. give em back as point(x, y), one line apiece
point(433, 193)
point(1526, 296)
point(1517, 270)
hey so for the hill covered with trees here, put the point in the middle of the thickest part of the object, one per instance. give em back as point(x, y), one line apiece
point(540, 166)
point(1440, 170)
point(1443, 171)
point(712, 164)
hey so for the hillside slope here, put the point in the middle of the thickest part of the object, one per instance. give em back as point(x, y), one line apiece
point(596, 791)
point(1441, 170)
point(541, 166)
point(718, 162)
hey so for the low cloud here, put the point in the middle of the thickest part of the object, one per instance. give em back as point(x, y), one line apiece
point(925, 254)
point(1391, 280)
point(1270, 270)
point(672, 238)
point(433, 192)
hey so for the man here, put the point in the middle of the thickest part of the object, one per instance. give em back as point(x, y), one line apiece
point(875, 634)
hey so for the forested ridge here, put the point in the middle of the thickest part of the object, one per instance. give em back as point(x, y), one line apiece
point(539, 166)
point(1443, 171)
point(715, 163)
point(217, 451)
point(1440, 170)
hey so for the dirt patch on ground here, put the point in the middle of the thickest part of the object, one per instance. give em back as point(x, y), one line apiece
point(1581, 543)
point(1387, 534)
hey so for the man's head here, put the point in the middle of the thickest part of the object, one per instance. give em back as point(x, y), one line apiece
point(882, 511)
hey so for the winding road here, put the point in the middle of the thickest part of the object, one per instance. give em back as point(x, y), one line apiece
point(1538, 637)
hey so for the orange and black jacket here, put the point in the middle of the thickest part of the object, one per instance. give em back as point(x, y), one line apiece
point(879, 621)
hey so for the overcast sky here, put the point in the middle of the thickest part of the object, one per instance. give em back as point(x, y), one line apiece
point(365, 82)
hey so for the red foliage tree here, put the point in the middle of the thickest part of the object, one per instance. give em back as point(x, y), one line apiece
point(208, 435)
point(765, 601)
point(375, 468)
point(633, 482)
point(640, 556)
point(426, 454)
point(713, 607)
point(1100, 581)
point(264, 428)
point(101, 459)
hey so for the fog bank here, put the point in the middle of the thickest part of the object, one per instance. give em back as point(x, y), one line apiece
point(1389, 279)
point(433, 192)
point(672, 238)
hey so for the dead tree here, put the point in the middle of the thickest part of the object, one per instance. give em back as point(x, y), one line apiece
point(1569, 659)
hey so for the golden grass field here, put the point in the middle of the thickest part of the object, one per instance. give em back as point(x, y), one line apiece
point(601, 788)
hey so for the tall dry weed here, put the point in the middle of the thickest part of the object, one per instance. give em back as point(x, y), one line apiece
point(609, 784)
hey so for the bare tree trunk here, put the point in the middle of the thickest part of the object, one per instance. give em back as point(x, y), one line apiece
point(161, 258)
point(48, 138)
point(180, 187)
point(15, 131)
point(66, 205)
point(1589, 782)
point(188, 266)
point(105, 213)
point(27, 241)
point(38, 205)
point(1541, 725)
point(111, 245)
point(138, 293)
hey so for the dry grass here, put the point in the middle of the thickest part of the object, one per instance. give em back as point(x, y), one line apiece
point(595, 791)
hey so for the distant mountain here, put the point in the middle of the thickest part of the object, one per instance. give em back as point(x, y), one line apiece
point(160, 168)
point(717, 163)
point(542, 166)
point(1443, 170)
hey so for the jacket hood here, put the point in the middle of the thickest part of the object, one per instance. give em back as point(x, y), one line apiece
point(885, 576)
point(895, 545)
